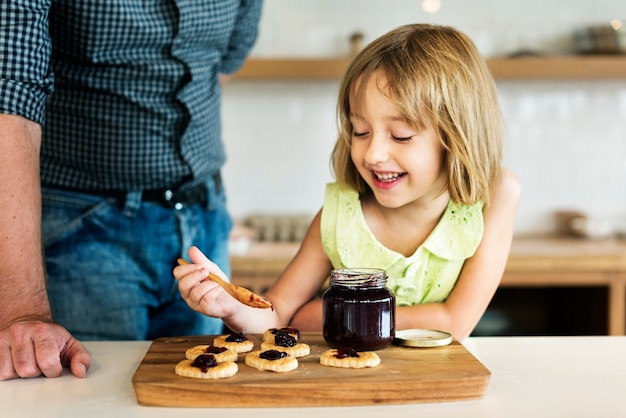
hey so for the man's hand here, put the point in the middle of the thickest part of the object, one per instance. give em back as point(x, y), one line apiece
point(34, 348)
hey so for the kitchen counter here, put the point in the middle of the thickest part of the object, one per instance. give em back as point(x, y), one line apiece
point(533, 262)
point(531, 376)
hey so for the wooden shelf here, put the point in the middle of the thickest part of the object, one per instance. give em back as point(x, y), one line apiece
point(522, 68)
point(287, 68)
point(559, 67)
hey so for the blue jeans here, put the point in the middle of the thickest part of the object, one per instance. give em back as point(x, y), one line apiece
point(109, 262)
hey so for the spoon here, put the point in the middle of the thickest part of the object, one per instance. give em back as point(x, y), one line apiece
point(242, 294)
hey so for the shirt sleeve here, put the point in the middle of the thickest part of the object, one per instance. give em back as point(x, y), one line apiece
point(243, 37)
point(26, 79)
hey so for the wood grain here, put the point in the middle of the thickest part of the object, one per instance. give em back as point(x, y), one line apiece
point(503, 68)
point(405, 375)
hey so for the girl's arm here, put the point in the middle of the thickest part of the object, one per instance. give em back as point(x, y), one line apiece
point(298, 283)
point(481, 273)
point(309, 317)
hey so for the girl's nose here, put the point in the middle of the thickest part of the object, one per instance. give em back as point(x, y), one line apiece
point(376, 151)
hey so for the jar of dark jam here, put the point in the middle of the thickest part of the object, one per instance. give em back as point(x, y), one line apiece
point(359, 311)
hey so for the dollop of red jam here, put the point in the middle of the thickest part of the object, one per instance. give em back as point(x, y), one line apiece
point(286, 330)
point(215, 350)
point(344, 352)
point(204, 362)
point(236, 337)
point(283, 339)
point(273, 354)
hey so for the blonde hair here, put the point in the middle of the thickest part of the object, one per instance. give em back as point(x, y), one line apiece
point(434, 73)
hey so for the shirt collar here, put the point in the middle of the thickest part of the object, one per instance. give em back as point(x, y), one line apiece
point(458, 233)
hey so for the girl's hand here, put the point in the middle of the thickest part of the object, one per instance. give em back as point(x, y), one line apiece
point(201, 293)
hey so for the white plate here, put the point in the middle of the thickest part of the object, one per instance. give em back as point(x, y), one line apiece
point(422, 338)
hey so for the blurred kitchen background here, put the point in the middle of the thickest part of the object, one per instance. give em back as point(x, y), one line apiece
point(565, 138)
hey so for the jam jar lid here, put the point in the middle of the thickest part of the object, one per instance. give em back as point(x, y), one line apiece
point(422, 338)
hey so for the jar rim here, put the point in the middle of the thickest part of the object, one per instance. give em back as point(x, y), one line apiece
point(359, 271)
point(359, 277)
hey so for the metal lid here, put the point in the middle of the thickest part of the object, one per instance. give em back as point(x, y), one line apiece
point(422, 338)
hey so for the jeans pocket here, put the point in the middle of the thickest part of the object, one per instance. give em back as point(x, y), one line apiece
point(65, 212)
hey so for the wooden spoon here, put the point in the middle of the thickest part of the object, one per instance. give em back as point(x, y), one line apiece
point(242, 294)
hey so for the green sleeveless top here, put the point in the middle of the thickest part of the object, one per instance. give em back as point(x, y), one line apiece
point(429, 275)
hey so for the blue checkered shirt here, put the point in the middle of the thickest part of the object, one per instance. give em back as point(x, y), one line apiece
point(128, 89)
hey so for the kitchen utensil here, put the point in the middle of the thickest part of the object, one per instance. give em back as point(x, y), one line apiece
point(242, 294)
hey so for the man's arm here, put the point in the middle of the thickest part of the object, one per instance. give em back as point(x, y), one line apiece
point(243, 37)
point(22, 286)
point(30, 344)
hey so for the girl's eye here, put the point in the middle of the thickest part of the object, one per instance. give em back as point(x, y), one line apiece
point(402, 139)
point(359, 134)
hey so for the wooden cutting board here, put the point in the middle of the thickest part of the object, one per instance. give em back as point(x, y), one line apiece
point(405, 375)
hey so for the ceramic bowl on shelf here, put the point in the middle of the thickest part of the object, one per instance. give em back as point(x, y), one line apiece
point(603, 39)
point(592, 228)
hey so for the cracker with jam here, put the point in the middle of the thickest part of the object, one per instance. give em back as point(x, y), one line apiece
point(270, 333)
point(205, 366)
point(236, 342)
point(349, 358)
point(271, 360)
point(221, 354)
point(285, 341)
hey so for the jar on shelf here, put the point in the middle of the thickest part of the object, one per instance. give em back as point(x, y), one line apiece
point(359, 311)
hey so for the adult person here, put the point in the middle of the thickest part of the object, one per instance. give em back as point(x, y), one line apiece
point(110, 157)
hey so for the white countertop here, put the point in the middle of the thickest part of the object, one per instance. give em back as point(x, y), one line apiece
point(531, 377)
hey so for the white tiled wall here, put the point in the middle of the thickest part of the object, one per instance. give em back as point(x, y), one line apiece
point(566, 140)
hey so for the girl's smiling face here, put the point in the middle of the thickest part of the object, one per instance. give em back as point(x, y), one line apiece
point(403, 164)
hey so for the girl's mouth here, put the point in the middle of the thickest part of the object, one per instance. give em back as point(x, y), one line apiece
point(386, 179)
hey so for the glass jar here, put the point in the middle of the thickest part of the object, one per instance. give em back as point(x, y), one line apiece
point(359, 311)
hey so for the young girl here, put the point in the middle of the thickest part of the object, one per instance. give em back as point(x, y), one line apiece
point(419, 193)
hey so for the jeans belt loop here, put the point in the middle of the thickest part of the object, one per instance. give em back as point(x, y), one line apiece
point(132, 203)
point(217, 181)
